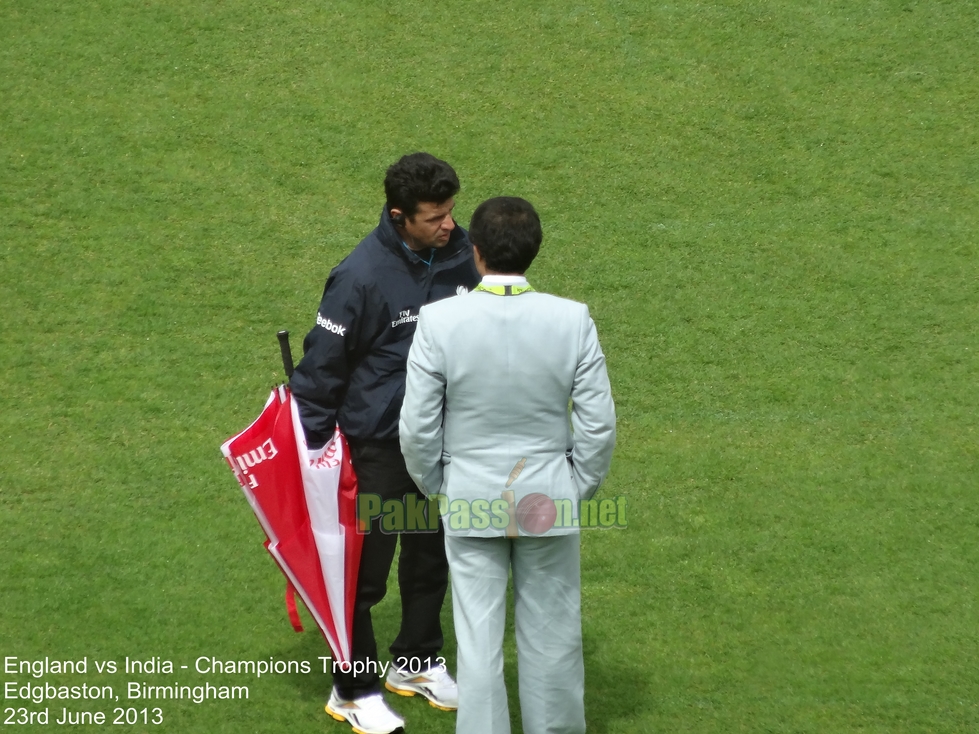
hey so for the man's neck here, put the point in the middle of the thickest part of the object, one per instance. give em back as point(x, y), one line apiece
point(426, 255)
point(408, 240)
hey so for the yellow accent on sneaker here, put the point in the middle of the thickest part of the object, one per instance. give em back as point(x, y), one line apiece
point(399, 691)
point(436, 706)
point(435, 685)
point(339, 717)
point(367, 715)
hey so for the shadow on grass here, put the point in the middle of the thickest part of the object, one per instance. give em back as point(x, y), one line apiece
point(309, 646)
point(614, 690)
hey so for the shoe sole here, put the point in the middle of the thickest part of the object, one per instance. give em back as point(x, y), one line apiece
point(341, 717)
point(408, 693)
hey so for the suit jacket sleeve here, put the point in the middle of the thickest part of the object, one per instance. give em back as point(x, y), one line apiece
point(592, 413)
point(420, 427)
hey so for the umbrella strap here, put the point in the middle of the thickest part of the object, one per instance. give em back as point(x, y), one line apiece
point(291, 607)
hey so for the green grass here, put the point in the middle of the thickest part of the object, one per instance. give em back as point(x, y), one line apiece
point(770, 207)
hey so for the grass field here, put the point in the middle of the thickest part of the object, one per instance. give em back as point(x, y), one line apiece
point(770, 207)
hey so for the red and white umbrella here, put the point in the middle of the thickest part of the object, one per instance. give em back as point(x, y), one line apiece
point(306, 503)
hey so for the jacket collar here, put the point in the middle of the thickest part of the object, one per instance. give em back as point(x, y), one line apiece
point(504, 285)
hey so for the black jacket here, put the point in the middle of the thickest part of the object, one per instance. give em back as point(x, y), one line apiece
point(353, 368)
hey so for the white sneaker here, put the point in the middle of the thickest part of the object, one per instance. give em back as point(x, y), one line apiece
point(435, 684)
point(367, 715)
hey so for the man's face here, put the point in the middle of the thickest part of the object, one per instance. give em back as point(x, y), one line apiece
point(430, 226)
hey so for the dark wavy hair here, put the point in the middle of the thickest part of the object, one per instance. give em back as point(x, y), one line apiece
point(507, 232)
point(419, 177)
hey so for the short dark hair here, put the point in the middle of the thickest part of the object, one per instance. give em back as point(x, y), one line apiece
point(507, 232)
point(419, 177)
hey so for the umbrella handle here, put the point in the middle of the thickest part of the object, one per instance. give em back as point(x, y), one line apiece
point(286, 353)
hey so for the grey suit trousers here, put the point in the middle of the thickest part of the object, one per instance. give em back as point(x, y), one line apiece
point(547, 618)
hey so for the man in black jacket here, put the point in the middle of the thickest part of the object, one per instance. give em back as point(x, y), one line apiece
point(353, 374)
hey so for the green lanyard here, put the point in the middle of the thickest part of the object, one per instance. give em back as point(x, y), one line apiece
point(503, 290)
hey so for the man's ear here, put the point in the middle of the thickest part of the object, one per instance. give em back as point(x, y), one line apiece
point(398, 217)
point(480, 262)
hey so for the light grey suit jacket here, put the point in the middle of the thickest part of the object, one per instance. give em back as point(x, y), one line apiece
point(490, 382)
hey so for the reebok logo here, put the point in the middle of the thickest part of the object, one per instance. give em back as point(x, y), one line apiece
point(330, 326)
point(404, 317)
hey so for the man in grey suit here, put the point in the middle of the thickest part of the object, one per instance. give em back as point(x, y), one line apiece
point(485, 427)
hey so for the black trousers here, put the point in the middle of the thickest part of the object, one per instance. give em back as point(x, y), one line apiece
point(423, 573)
